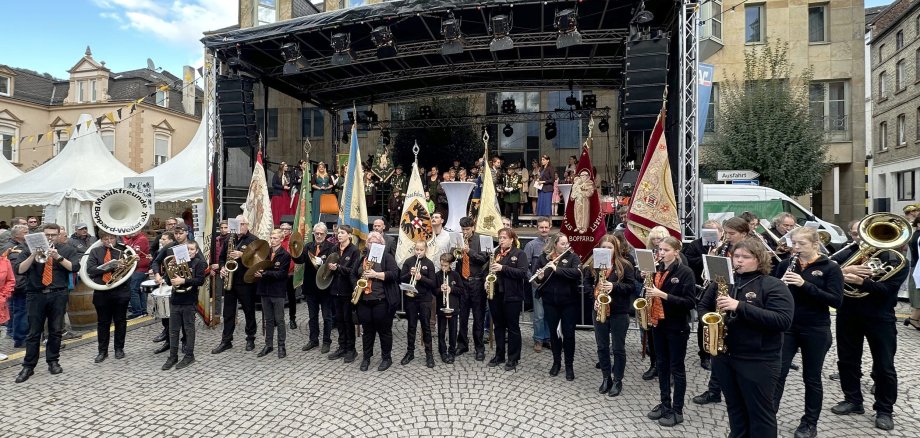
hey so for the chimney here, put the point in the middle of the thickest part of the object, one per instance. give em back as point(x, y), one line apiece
point(188, 89)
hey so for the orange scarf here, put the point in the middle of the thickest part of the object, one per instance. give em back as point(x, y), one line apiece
point(657, 312)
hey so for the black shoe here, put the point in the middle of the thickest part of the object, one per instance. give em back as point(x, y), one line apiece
point(451, 358)
point(794, 366)
point(162, 349)
point(365, 363)
point(657, 412)
point(170, 362)
point(616, 389)
point(337, 354)
point(265, 350)
point(547, 345)
point(706, 363)
point(569, 373)
point(55, 368)
point(884, 422)
point(444, 357)
point(707, 397)
point(407, 358)
point(161, 337)
point(496, 361)
point(282, 352)
point(606, 384)
point(480, 355)
point(671, 419)
point(119, 353)
point(310, 345)
point(462, 349)
point(835, 376)
point(554, 370)
point(100, 357)
point(650, 373)
point(24, 374)
point(597, 365)
point(325, 348)
point(511, 365)
point(351, 356)
point(19, 344)
point(429, 360)
point(186, 361)
point(846, 408)
point(222, 347)
point(805, 430)
point(384, 364)
point(250, 345)
point(292, 324)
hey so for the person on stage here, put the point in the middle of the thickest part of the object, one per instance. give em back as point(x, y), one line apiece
point(341, 288)
point(558, 276)
point(816, 284)
point(511, 193)
point(271, 287)
point(241, 293)
point(758, 311)
point(510, 268)
point(313, 255)
point(111, 305)
point(183, 308)
point(449, 282)
point(281, 194)
point(610, 335)
point(322, 184)
point(472, 267)
point(378, 302)
point(545, 193)
point(418, 308)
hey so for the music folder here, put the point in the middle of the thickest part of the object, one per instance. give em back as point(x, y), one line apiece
point(718, 267)
point(645, 258)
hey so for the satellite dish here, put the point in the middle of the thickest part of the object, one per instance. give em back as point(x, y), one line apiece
point(150, 65)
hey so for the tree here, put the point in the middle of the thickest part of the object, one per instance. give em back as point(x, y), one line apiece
point(764, 125)
point(439, 146)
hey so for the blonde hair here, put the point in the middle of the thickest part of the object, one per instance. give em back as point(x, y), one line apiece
point(658, 232)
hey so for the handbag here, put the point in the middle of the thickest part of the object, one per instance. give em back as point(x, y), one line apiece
point(328, 203)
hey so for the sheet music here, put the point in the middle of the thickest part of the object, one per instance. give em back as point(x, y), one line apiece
point(602, 258)
point(710, 237)
point(376, 253)
point(234, 225)
point(181, 253)
point(645, 258)
point(485, 244)
point(37, 241)
point(717, 267)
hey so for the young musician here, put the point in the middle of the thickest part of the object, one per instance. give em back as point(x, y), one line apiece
point(472, 269)
point(418, 308)
point(182, 309)
point(166, 240)
point(451, 283)
point(758, 310)
point(271, 286)
point(241, 292)
point(816, 284)
point(111, 305)
point(341, 288)
point(655, 236)
point(377, 303)
point(557, 285)
point(693, 253)
point(317, 299)
point(510, 268)
point(610, 335)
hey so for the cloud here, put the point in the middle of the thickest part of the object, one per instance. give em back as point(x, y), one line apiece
point(180, 23)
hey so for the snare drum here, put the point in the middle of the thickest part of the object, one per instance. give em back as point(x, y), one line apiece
point(160, 298)
point(148, 286)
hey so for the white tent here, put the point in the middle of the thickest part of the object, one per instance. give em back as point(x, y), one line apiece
point(7, 170)
point(65, 184)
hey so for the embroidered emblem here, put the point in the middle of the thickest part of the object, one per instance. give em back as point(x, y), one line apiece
point(675, 281)
point(750, 296)
point(424, 268)
point(277, 264)
point(513, 259)
point(817, 274)
point(564, 261)
point(347, 259)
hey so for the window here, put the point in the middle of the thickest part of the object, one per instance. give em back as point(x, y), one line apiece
point(527, 135)
point(355, 3)
point(882, 87)
point(713, 106)
point(266, 12)
point(883, 136)
point(162, 98)
point(829, 106)
point(817, 24)
point(917, 65)
point(86, 91)
point(717, 18)
point(108, 137)
point(754, 25)
point(881, 53)
point(160, 148)
point(8, 143)
point(711, 13)
point(63, 138)
point(311, 123)
point(905, 185)
point(272, 122)
point(899, 76)
point(5, 88)
point(902, 130)
point(899, 40)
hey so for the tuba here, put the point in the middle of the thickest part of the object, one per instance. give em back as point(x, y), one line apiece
point(878, 233)
point(715, 324)
point(120, 212)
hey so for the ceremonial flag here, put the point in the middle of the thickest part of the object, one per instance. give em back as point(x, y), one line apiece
point(302, 217)
point(415, 222)
point(353, 209)
point(584, 223)
point(208, 304)
point(653, 202)
point(489, 219)
point(257, 208)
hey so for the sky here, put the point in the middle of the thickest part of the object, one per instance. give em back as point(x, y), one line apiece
point(123, 33)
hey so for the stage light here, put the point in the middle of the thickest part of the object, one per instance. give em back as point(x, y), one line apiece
point(501, 28)
point(604, 125)
point(371, 116)
point(642, 16)
point(424, 112)
point(572, 101)
point(345, 134)
point(508, 106)
point(341, 45)
point(385, 136)
point(589, 101)
point(566, 23)
point(293, 59)
point(383, 39)
point(508, 130)
point(453, 38)
point(550, 130)
point(351, 116)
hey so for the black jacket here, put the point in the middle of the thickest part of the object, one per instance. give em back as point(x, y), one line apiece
point(241, 242)
point(456, 286)
point(478, 259)
point(190, 296)
point(694, 253)
point(512, 279)
point(60, 276)
point(389, 286)
point(882, 297)
point(755, 329)
point(96, 257)
point(309, 271)
point(560, 286)
point(427, 284)
point(823, 288)
point(624, 289)
point(342, 283)
point(680, 287)
point(274, 278)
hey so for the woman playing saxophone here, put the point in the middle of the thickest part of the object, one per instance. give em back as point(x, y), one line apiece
point(510, 268)
point(618, 282)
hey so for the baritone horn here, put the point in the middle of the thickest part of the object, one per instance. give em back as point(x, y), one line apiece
point(878, 233)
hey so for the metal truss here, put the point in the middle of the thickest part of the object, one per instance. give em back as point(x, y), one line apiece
point(489, 119)
point(689, 202)
point(213, 130)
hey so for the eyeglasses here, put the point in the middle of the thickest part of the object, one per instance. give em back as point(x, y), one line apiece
point(33, 222)
point(51, 235)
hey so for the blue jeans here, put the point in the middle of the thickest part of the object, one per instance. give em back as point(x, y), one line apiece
point(19, 321)
point(138, 304)
point(540, 331)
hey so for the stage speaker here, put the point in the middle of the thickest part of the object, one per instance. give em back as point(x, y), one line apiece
point(645, 78)
point(237, 113)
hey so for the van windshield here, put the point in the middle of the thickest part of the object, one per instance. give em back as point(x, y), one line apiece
point(801, 216)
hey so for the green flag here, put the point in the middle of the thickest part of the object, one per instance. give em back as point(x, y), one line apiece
point(302, 217)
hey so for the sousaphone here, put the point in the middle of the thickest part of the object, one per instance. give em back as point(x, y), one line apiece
point(120, 212)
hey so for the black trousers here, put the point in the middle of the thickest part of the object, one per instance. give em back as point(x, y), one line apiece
point(882, 338)
point(111, 306)
point(611, 337)
point(273, 317)
point(447, 325)
point(511, 212)
point(814, 343)
point(418, 310)
point(474, 300)
point(748, 386)
point(567, 314)
point(319, 301)
point(506, 317)
point(42, 307)
point(291, 298)
point(245, 295)
point(671, 346)
point(344, 322)
point(376, 319)
point(182, 316)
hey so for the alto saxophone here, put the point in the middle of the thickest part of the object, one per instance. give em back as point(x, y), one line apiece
point(230, 265)
point(603, 299)
point(642, 304)
point(491, 278)
point(716, 329)
point(360, 286)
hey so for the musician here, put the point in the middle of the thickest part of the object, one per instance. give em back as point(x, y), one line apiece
point(241, 293)
point(440, 239)
point(871, 318)
point(111, 305)
point(167, 240)
point(545, 193)
point(390, 242)
point(533, 250)
point(782, 224)
point(610, 335)
point(450, 282)
point(816, 283)
point(693, 253)
point(271, 287)
point(511, 193)
point(470, 266)
point(759, 310)
point(341, 289)
point(281, 194)
point(655, 236)
point(18, 327)
point(47, 295)
point(137, 305)
point(418, 308)
point(317, 299)
point(558, 276)
point(378, 303)
point(290, 292)
point(510, 266)
point(170, 226)
point(182, 309)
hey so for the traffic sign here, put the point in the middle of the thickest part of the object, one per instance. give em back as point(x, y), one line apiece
point(731, 175)
point(746, 182)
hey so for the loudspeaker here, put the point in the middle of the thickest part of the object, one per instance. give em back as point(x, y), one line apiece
point(645, 78)
point(237, 113)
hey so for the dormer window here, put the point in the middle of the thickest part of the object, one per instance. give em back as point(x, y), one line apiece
point(86, 91)
point(6, 86)
point(163, 98)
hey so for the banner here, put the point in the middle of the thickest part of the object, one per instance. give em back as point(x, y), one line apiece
point(415, 222)
point(303, 214)
point(353, 208)
point(257, 208)
point(584, 223)
point(489, 219)
point(704, 95)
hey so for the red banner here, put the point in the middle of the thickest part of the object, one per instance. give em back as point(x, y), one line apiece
point(584, 223)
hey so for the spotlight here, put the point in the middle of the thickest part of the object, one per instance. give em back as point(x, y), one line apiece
point(371, 116)
point(383, 39)
point(572, 101)
point(550, 130)
point(293, 59)
point(566, 23)
point(453, 38)
point(508, 130)
point(604, 125)
point(345, 134)
point(341, 44)
point(424, 112)
point(589, 101)
point(508, 106)
point(501, 28)
point(385, 136)
point(351, 116)
point(642, 16)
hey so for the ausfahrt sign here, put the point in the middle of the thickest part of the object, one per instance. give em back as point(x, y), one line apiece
point(731, 175)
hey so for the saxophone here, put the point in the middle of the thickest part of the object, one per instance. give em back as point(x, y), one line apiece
point(230, 265)
point(642, 304)
point(715, 327)
point(602, 302)
point(361, 285)
point(491, 278)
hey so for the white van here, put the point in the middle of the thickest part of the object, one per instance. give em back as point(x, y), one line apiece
point(726, 200)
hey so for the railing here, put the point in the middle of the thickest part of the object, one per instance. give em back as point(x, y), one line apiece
point(836, 128)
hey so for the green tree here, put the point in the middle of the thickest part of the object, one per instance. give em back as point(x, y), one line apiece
point(764, 124)
point(439, 146)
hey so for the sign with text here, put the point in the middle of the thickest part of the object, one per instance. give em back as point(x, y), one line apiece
point(731, 175)
point(144, 186)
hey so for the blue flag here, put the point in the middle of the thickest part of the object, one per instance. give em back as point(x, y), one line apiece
point(353, 210)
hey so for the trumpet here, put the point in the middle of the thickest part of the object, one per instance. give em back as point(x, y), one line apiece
point(445, 288)
point(491, 278)
point(412, 293)
point(361, 285)
point(41, 256)
point(602, 300)
point(230, 265)
point(541, 270)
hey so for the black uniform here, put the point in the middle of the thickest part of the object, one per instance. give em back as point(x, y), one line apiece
point(694, 252)
point(111, 305)
point(317, 299)
point(474, 297)
point(611, 334)
point(559, 291)
point(419, 307)
point(241, 293)
point(448, 323)
point(272, 291)
point(672, 332)
point(505, 306)
point(341, 288)
point(811, 329)
point(376, 308)
point(749, 371)
point(182, 309)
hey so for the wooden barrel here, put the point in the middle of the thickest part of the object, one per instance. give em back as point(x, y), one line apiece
point(80, 307)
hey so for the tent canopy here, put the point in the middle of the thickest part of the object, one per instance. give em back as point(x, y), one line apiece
point(7, 170)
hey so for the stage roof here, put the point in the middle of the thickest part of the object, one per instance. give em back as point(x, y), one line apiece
point(419, 69)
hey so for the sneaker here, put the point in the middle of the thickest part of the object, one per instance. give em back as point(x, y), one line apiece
point(671, 419)
point(805, 430)
point(884, 422)
point(70, 335)
point(657, 412)
point(186, 361)
point(846, 408)
point(706, 398)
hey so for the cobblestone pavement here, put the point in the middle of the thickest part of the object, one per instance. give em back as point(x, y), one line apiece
point(237, 394)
